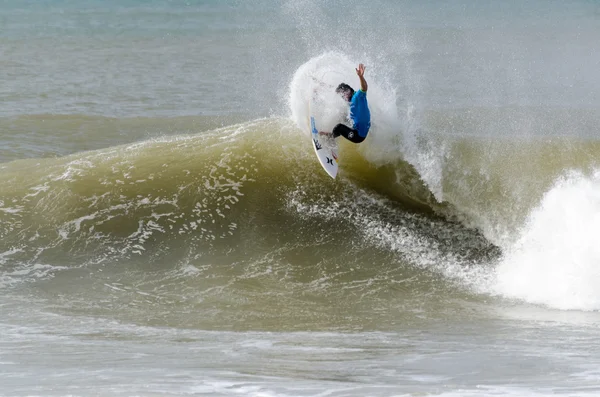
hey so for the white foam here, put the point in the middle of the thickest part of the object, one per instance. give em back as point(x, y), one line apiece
point(403, 233)
point(556, 260)
point(73, 169)
point(508, 391)
point(11, 210)
point(322, 74)
point(6, 254)
point(37, 190)
point(27, 272)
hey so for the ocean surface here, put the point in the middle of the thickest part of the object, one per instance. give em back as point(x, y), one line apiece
point(166, 230)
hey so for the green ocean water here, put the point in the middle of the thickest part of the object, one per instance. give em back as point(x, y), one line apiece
point(166, 230)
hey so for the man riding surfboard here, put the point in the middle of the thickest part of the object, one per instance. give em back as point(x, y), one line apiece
point(359, 110)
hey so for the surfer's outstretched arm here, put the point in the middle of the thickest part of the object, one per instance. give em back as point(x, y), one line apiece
point(360, 71)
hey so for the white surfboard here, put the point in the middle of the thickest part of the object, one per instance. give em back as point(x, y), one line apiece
point(325, 147)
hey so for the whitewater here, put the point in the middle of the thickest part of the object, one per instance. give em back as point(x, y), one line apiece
point(165, 228)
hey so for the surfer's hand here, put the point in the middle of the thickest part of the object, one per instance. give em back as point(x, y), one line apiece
point(360, 71)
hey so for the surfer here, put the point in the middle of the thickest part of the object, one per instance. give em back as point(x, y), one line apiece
point(359, 110)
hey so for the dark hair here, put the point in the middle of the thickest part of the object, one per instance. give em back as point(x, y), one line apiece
point(345, 89)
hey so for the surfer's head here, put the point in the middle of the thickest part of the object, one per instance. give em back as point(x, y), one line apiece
point(345, 91)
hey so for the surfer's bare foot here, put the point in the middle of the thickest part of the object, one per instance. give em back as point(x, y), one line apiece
point(325, 133)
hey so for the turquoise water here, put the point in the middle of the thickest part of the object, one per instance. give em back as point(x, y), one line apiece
point(166, 230)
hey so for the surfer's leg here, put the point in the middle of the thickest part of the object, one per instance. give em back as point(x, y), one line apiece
point(347, 132)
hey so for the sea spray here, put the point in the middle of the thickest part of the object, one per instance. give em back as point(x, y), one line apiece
point(556, 260)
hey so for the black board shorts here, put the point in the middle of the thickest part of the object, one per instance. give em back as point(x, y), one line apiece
point(348, 133)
